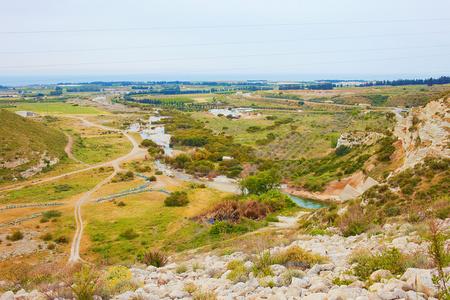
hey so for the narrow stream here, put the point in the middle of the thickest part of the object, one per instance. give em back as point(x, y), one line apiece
point(221, 183)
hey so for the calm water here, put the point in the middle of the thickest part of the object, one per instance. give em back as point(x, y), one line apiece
point(307, 203)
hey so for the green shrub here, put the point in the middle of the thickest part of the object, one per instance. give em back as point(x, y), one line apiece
point(272, 218)
point(204, 296)
point(155, 258)
point(234, 264)
point(129, 234)
point(238, 274)
point(52, 214)
point(190, 287)
point(17, 235)
point(316, 231)
point(392, 260)
point(121, 204)
point(181, 269)
point(176, 199)
point(86, 284)
point(261, 266)
point(158, 172)
point(443, 213)
point(413, 218)
point(47, 237)
point(44, 220)
point(392, 211)
point(149, 143)
point(62, 239)
point(286, 277)
point(196, 266)
point(51, 246)
point(297, 257)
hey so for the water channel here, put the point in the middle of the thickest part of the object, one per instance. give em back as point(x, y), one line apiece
point(158, 135)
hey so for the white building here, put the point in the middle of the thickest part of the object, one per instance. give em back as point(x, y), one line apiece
point(25, 114)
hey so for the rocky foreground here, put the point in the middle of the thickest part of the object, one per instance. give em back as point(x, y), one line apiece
point(208, 273)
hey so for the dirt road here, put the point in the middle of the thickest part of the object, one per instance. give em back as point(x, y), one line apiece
point(68, 150)
point(136, 152)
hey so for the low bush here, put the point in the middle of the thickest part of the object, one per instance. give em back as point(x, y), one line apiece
point(238, 274)
point(155, 258)
point(44, 220)
point(234, 264)
point(149, 143)
point(17, 235)
point(272, 218)
point(51, 246)
point(204, 296)
point(297, 257)
point(129, 234)
point(86, 284)
point(119, 280)
point(181, 269)
point(286, 277)
point(47, 237)
point(196, 266)
point(52, 214)
point(190, 287)
point(158, 172)
point(392, 260)
point(62, 239)
point(177, 199)
point(316, 231)
point(261, 266)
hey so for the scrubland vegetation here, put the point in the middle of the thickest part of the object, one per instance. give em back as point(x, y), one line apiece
point(262, 149)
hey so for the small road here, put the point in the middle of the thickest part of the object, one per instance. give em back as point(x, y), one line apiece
point(75, 247)
point(134, 153)
point(68, 150)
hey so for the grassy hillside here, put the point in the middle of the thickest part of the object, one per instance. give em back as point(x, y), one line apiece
point(23, 141)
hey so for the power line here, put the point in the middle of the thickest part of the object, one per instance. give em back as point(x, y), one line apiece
point(217, 57)
point(221, 26)
point(304, 64)
point(221, 43)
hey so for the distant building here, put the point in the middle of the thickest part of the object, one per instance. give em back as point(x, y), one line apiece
point(300, 111)
point(328, 101)
point(25, 114)
point(227, 158)
point(243, 109)
point(225, 112)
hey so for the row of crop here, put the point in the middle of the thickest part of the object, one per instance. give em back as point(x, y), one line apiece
point(31, 205)
point(134, 191)
point(20, 220)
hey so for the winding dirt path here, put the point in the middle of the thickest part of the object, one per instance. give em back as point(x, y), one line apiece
point(136, 151)
point(75, 247)
point(68, 150)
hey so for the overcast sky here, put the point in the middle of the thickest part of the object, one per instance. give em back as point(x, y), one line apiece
point(213, 40)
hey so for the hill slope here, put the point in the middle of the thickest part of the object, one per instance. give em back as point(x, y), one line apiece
point(27, 146)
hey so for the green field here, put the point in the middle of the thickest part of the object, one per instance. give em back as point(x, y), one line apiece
point(309, 135)
point(58, 109)
point(58, 190)
point(147, 216)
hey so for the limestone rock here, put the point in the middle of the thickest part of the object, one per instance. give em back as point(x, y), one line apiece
point(9, 295)
point(380, 274)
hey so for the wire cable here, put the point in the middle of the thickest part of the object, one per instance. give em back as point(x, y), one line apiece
point(221, 43)
point(222, 26)
point(214, 57)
